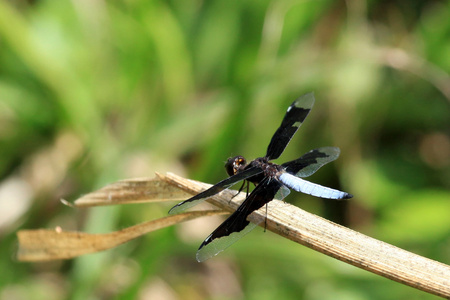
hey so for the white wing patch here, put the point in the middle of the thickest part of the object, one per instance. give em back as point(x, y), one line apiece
point(313, 189)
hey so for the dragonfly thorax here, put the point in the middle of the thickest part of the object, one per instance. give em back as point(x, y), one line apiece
point(269, 169)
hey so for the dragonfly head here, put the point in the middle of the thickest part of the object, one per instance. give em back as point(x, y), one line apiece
point(235, 164)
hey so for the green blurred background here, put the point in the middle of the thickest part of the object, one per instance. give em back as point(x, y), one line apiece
point(93, 92)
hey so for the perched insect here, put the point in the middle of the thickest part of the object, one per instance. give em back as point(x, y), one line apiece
point(271, 180)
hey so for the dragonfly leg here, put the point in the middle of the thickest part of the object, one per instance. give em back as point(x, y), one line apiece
point(244, 184)
point(265, 219)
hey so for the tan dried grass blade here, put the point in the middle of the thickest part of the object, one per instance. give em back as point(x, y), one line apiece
point(137, 190)
point(43, 244)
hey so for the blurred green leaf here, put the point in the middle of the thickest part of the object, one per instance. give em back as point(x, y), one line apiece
point(418, 217)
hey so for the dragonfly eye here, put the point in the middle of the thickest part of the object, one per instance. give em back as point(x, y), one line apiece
point(234, 164)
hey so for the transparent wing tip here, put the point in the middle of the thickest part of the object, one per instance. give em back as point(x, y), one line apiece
point(201, 256)
point(306, 101)
point(178, 209)
point(173, 211)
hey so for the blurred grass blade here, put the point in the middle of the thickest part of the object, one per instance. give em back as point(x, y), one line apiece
point(44, 244)
point(137, 190)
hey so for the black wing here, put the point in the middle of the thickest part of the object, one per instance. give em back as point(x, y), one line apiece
point(236, 226)
point(218, 187)
point(295, 115)
point(312, 161)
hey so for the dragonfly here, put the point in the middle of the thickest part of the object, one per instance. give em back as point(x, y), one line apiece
point(272, 181)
